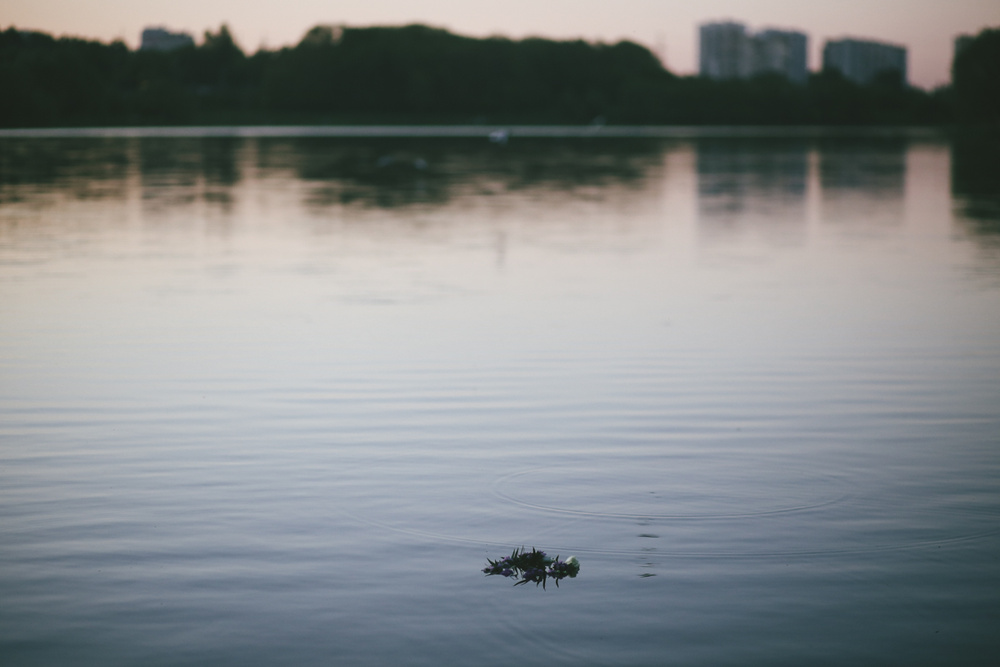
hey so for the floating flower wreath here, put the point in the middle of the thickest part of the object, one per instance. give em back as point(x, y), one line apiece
point(533, 566)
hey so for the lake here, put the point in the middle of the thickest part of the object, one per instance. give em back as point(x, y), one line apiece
point(276, 397)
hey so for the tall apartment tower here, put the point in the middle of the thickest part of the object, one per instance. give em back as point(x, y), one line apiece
point(781, 52)
point(728, 51)
point(724, 51)
point(861, 61)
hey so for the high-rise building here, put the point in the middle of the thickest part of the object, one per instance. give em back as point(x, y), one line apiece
point(724, 51)
point(781, 52)
point(728, 51)
point(161, 39)
point(862, 61)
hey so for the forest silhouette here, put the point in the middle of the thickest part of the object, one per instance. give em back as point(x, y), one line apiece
point(417, 74)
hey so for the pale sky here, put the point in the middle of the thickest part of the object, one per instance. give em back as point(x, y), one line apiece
point(668, 27)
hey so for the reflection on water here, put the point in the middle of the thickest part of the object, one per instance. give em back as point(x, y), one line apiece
point(80, 168)
point(374, 172)
point(270, 400)
point(862, 182)
point(975, 172)
point(753, 184)
point(181, 171)
point(975, 187)
point(398, 173)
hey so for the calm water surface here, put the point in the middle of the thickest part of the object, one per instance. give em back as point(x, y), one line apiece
point(275, 400)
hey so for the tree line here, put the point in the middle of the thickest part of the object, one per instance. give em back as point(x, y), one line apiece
point(418, 74)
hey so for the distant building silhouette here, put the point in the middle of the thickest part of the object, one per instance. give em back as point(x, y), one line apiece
point(728, 51)
point(724, 51)
point(862, 61)
point(782, 52)
point(161, 39)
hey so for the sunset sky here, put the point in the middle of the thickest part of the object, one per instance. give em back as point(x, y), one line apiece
point(669, 27)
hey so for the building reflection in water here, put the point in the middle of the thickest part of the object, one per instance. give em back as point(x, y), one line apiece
point(862, 182)
point(752, 186)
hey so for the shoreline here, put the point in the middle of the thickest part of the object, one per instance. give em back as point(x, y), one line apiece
point(490, 131)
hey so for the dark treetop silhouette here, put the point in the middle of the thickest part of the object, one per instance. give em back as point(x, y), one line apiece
point(418, 74)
